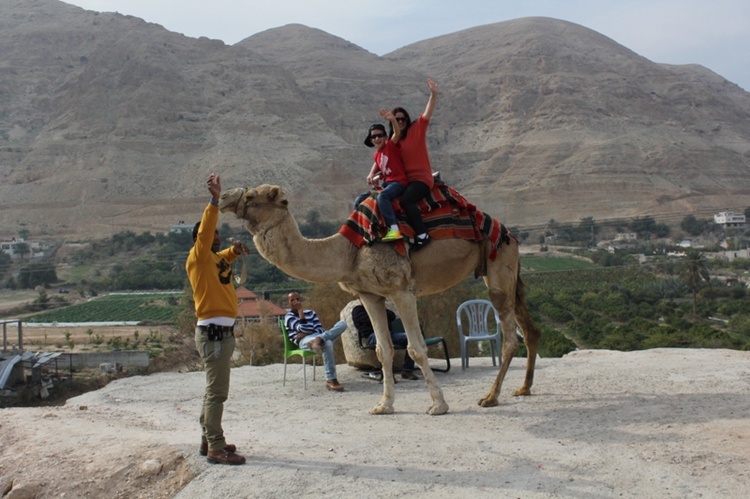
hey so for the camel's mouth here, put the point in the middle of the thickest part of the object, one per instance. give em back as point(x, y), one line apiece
point(230, 200)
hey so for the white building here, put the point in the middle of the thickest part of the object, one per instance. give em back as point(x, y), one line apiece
point(729, 219)
point(181, 227)
point(730, 255)
point(626, 236)
point(33, 250)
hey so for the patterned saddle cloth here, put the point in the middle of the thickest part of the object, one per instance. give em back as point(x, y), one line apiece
point(445, 212)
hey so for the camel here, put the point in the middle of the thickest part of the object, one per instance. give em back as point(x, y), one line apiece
point(377, 272)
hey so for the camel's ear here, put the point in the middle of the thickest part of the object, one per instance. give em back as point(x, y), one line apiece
point(277, 194)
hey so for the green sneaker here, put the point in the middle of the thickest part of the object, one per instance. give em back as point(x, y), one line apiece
point(392, 235)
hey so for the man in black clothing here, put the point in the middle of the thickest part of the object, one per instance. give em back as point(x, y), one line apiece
point(364, 328)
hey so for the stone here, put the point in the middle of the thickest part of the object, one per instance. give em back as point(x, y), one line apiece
point(24, 491)
point(358, 357)
point(150, 467)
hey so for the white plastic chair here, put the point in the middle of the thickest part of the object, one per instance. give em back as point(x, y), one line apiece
point(474, 324)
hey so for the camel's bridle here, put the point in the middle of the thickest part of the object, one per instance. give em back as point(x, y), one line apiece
point(254, 204)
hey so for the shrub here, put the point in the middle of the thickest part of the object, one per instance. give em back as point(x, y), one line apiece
point(664, 337)
point(554, 343)
point(260, 344)
point(740, 325)
point(555, 313)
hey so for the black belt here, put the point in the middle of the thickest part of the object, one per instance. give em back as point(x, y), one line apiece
point(216, 332)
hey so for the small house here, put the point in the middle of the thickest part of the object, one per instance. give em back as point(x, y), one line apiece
point(729, 219)
point(253, 309)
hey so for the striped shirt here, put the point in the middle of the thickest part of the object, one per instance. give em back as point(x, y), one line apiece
point(309, 325)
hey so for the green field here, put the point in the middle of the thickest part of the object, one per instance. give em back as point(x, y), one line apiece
point(157, 307)
point(533, 263)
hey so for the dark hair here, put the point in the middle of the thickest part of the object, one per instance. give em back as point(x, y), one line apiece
point(377, 126)
point(405, 128)
point(195, 231)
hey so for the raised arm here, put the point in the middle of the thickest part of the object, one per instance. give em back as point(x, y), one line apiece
point(386, 114)
point(432, 101)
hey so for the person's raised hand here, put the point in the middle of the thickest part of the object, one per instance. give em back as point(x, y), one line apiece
point(432, 85)
point(386, 114)
point(214, 186)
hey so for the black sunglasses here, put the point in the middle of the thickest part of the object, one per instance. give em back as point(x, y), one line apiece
point(376, 136)
point(400, 118)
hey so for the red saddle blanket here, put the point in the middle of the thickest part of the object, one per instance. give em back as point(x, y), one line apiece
point(445, 212)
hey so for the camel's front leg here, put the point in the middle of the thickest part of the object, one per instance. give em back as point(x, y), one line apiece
point(406, 304)
point(418, 352)
point(384, 350)
point(375, 306)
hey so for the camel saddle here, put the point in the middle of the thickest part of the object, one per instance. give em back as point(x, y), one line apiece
point(445, 213)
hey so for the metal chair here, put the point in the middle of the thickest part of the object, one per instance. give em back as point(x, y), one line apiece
point(476, 327)
point(398, 326)
point(290, 350)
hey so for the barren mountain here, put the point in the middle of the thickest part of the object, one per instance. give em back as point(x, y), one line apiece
point(559, 121)
point(110, 123)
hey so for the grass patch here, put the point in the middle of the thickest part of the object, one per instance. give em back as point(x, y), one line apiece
point(156, 307)
point(78, 273)
point(534, 263)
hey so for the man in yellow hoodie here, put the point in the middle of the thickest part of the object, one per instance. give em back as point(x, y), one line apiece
point(210, 274)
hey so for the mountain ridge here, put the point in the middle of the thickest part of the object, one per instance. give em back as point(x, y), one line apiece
point(111, 123)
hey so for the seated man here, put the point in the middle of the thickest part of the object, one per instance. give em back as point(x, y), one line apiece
point(364, 328)
point(306, 331)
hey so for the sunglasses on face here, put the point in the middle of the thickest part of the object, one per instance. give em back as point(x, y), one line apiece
point(401, 118)
point(376, 136)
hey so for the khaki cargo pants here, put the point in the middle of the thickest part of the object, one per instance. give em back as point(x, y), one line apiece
point(216, 357)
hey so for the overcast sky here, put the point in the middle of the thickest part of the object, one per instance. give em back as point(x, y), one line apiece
point(713, 33)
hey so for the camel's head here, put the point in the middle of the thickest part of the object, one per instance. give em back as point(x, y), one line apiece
point(255, 205)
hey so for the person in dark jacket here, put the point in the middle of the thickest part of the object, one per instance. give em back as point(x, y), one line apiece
point(365, 330)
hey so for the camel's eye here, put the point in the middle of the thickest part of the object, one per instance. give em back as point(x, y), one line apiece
point(284, 202)
point(249, 198)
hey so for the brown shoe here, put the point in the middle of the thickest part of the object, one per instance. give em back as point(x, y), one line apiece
point(409, 375)
point(316, 346)
point(334, 385)
point(204, 448)
point(223, 456)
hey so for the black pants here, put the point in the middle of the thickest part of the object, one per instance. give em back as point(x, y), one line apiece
point(413, 194)
point(401, 340)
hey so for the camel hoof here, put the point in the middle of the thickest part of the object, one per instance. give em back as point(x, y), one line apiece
point(487, 402)
point(381, 409)
point(437, 409)
point(522, 391)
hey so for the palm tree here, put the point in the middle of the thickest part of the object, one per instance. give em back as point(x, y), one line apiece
point(694, 270)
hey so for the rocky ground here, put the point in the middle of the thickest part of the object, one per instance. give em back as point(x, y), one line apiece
point(657, 423)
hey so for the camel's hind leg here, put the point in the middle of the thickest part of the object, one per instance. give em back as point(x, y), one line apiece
point(375, 306)
point(531, 336)
point(510, 346)
point(507, 295)
point(406, 304)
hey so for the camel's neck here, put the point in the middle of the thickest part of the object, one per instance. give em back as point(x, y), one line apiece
point(313, 260)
